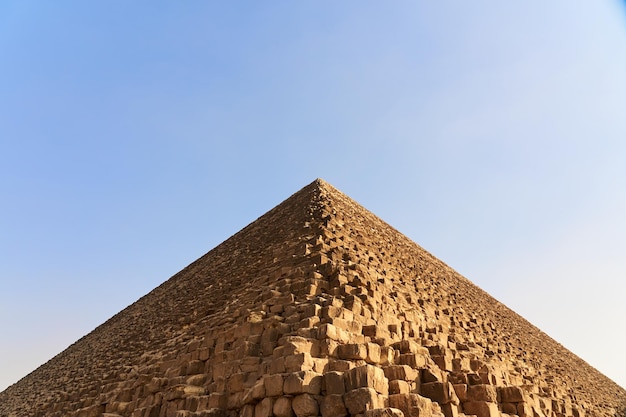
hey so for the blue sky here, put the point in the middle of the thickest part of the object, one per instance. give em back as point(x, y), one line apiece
point(134, 137)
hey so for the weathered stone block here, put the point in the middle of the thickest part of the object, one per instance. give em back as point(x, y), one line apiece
point(360, 400)
point(264, 408)
point(303, 382)
point(333, 383)
point(282, 407)
point(511, 394)
point(352, 351)
point(403, 372)
point(373, 353)
point(387, 354)
point(509, 408)
point(414, 405)
point(273, 385)
point(440, 392)
point(366, 376)
point(305, 405)
point(482, 392)
point(399, 387)
point(384, 412)
point(450, 410)
point(481, 409)
point(298, 362)
point(461, 391)
point(218, 400)
point(333, 406)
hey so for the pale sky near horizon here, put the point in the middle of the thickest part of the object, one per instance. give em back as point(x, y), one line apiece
point(136, 137)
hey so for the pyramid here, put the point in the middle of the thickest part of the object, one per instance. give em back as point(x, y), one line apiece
point(318, 308)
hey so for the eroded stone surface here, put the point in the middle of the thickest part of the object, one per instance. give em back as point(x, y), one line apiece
point(316, 308)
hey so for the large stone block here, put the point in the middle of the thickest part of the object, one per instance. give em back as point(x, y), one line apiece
point(384, 412)
point(273, 385)
point(481, 409)
point(414, 405)
point(403, 372)
point(373, 353)
point(264, 408)
point(298, 362)
point(511, 394)
point(302, 382)
point(482, 392)
point(333, 406)
point(360, 400)
point(366, 376)
point(305, 405)
point(440, 392)
point(353, 351)
point(399, 386)
point(282, 407)
point(333, 383)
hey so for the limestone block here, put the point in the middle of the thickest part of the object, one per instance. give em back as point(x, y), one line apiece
point(320, 365)
point(311, 310)
point(339, 365)
point(399, 386)
point(254, 393)
point(524, 410)
point(305, 405)
point(218, 400)
point(235, 382)
point(298, 344)
point(460, 391)
point(299, 362)
point(430, 375)
point(195, 367)
point(250, 364)
point(352, 351)
point(277, 366)
point(264, 408)
point(247, 411)
point(461, 364)
point(457, 378)
point(482, 392)
point(235, 401)
point(373, 353)
point(450, 410)
point(414, 360)
point(384, 412)
point(282, 407)
point(197, 380)
point(333, 406)
point(410, 346)
point(366, 376)
point(509, 408)
point(440, 392)
point(511, 394)
point(403, 372)
point(328, 348)
point(474, 379)
point(481, 409)
point(333, 383)
point(303, 382)
point(360, 400)
point(372, 331)
point(444, 362)
point(273, 385)
point(387, 354)
point(414, 405)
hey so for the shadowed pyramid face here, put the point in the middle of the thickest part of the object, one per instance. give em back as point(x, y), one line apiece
point(316, 308)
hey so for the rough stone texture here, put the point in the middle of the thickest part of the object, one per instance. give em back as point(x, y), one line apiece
point(316, 308)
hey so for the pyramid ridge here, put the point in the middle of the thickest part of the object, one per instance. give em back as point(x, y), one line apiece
point(318, 307)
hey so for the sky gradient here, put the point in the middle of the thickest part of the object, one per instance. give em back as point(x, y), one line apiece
point(136, 137)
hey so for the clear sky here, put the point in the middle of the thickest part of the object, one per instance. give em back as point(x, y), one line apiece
point(136, 136)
